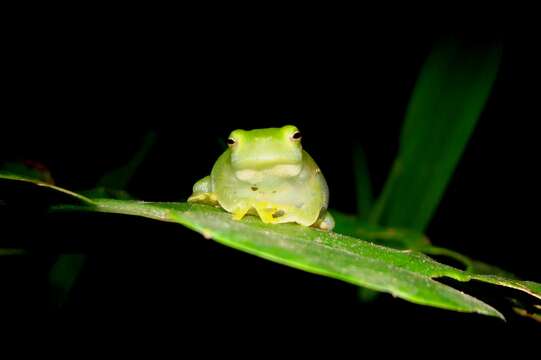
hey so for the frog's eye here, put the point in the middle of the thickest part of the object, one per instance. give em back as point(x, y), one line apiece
point(231, 142)
point(296, 136)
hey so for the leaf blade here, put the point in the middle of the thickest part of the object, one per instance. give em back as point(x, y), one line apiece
point(381, 268)
point(120, 178)
point(404, 274)
point(9, 176)
point(452, 89)
point(63, 275)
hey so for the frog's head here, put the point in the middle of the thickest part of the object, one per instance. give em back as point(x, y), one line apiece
point(274, 151)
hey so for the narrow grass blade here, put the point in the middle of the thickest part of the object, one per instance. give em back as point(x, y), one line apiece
point(448, 99)
point(63, 275)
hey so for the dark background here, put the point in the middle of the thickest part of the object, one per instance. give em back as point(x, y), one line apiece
point(81, 102)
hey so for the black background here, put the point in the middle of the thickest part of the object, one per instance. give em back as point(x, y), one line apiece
point(81, 99)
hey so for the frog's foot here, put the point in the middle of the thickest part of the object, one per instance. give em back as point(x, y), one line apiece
point(325, 221)
point(202, 193)
point(204, 198)
point(269, 213)
point(239, 213)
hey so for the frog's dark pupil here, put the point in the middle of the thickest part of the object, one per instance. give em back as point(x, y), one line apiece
point(297, 135)
point(230, 141)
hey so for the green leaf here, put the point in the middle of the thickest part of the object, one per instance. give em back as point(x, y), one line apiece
point(29, 170)
point(5, 251)
point(63, 275)
point(393, 237)
point(120, 178)
point(472, 266)
point(113, 184)
point(107, 193)
point(449, 96)
point(9, 176)
point(405, 274)
point(404, 239)
point(66, 269)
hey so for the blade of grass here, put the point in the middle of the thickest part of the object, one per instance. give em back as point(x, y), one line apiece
point(452, 89)
point(119, 178)
point(4, 251)
point(63, 275)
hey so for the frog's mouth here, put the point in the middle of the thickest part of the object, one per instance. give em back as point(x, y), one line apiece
point(282, 170)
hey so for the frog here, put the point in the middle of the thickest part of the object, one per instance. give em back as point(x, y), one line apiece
point(267, 173)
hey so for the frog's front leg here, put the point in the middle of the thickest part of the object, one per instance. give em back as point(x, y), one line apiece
point(325, 221)
point(202, 193)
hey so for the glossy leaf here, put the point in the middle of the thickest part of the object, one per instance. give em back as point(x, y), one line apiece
point(402, 273)
point(405, 274)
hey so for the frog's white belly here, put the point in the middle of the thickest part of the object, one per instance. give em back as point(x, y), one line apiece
point(273, 193)
point(285, 199)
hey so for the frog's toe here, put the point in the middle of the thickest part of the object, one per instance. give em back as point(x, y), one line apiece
point(269, 214)
point(238, 214)
point(266, 214)
point(325, 221)
point(203, 198)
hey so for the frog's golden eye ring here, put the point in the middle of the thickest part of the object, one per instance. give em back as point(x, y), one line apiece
point(231, 142)
point(296, 136)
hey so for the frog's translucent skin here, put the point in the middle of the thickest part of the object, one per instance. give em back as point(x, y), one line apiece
point(277, 193)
